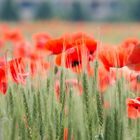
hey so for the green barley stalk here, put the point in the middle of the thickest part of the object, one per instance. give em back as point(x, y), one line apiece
point(61, 126)
point(52, 106)
point(70, 116)
point(119, 88)
point(56, 123)
point(98, 96)
point(130, 124)
point(108, 129)
point(86, 103)
point(121, 131)
point(62, 88)
point(34, 113)
point(116, 125)
point(45, 99)
point(98, 100)
point(29, 128)
point(55, 70)
point(118, 114)
point(11, 103)
point(62, 104)
point(86, 93)
point(50, 131)
point(41, 126)
point(138, 128)
point(13, 132)
point(95, 79)
point(100, 115)
point(22, 129)
point(48, 86)
point(99, 109)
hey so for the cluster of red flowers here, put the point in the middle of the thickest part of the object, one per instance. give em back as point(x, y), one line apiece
point(73, 51)
point(23, 54)
point(77, 51)
point(16, 69)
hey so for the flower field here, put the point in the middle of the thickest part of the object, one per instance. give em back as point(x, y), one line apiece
point(69, 81)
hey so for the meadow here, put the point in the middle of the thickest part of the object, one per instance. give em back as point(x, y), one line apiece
point(69, 81)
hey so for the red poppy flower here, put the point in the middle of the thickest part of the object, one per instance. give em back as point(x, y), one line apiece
point(72, 59)
point(130, 51)
point(56, 46)
point(108, 54)
point(135, 67)
point(112, 56)
point(119, 56)
point(134, 57)
point(79, 35)
point(66, 42)
point(22, 49)
point(3, 81)
point(133, 108)
point(13, 35)
point(81, 39)
point(40, 40)
point(17, 70)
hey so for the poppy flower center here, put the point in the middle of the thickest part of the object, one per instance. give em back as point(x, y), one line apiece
point(138, 78)
point(75, 63)
point(136, 107)
point(91, 52)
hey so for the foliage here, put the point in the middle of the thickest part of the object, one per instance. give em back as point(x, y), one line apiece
point(9, 11)
point(44, 11)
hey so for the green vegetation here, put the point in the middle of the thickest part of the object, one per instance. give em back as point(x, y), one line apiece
point(9, 11)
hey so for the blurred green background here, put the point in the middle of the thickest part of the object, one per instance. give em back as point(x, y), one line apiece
point(71, 10)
